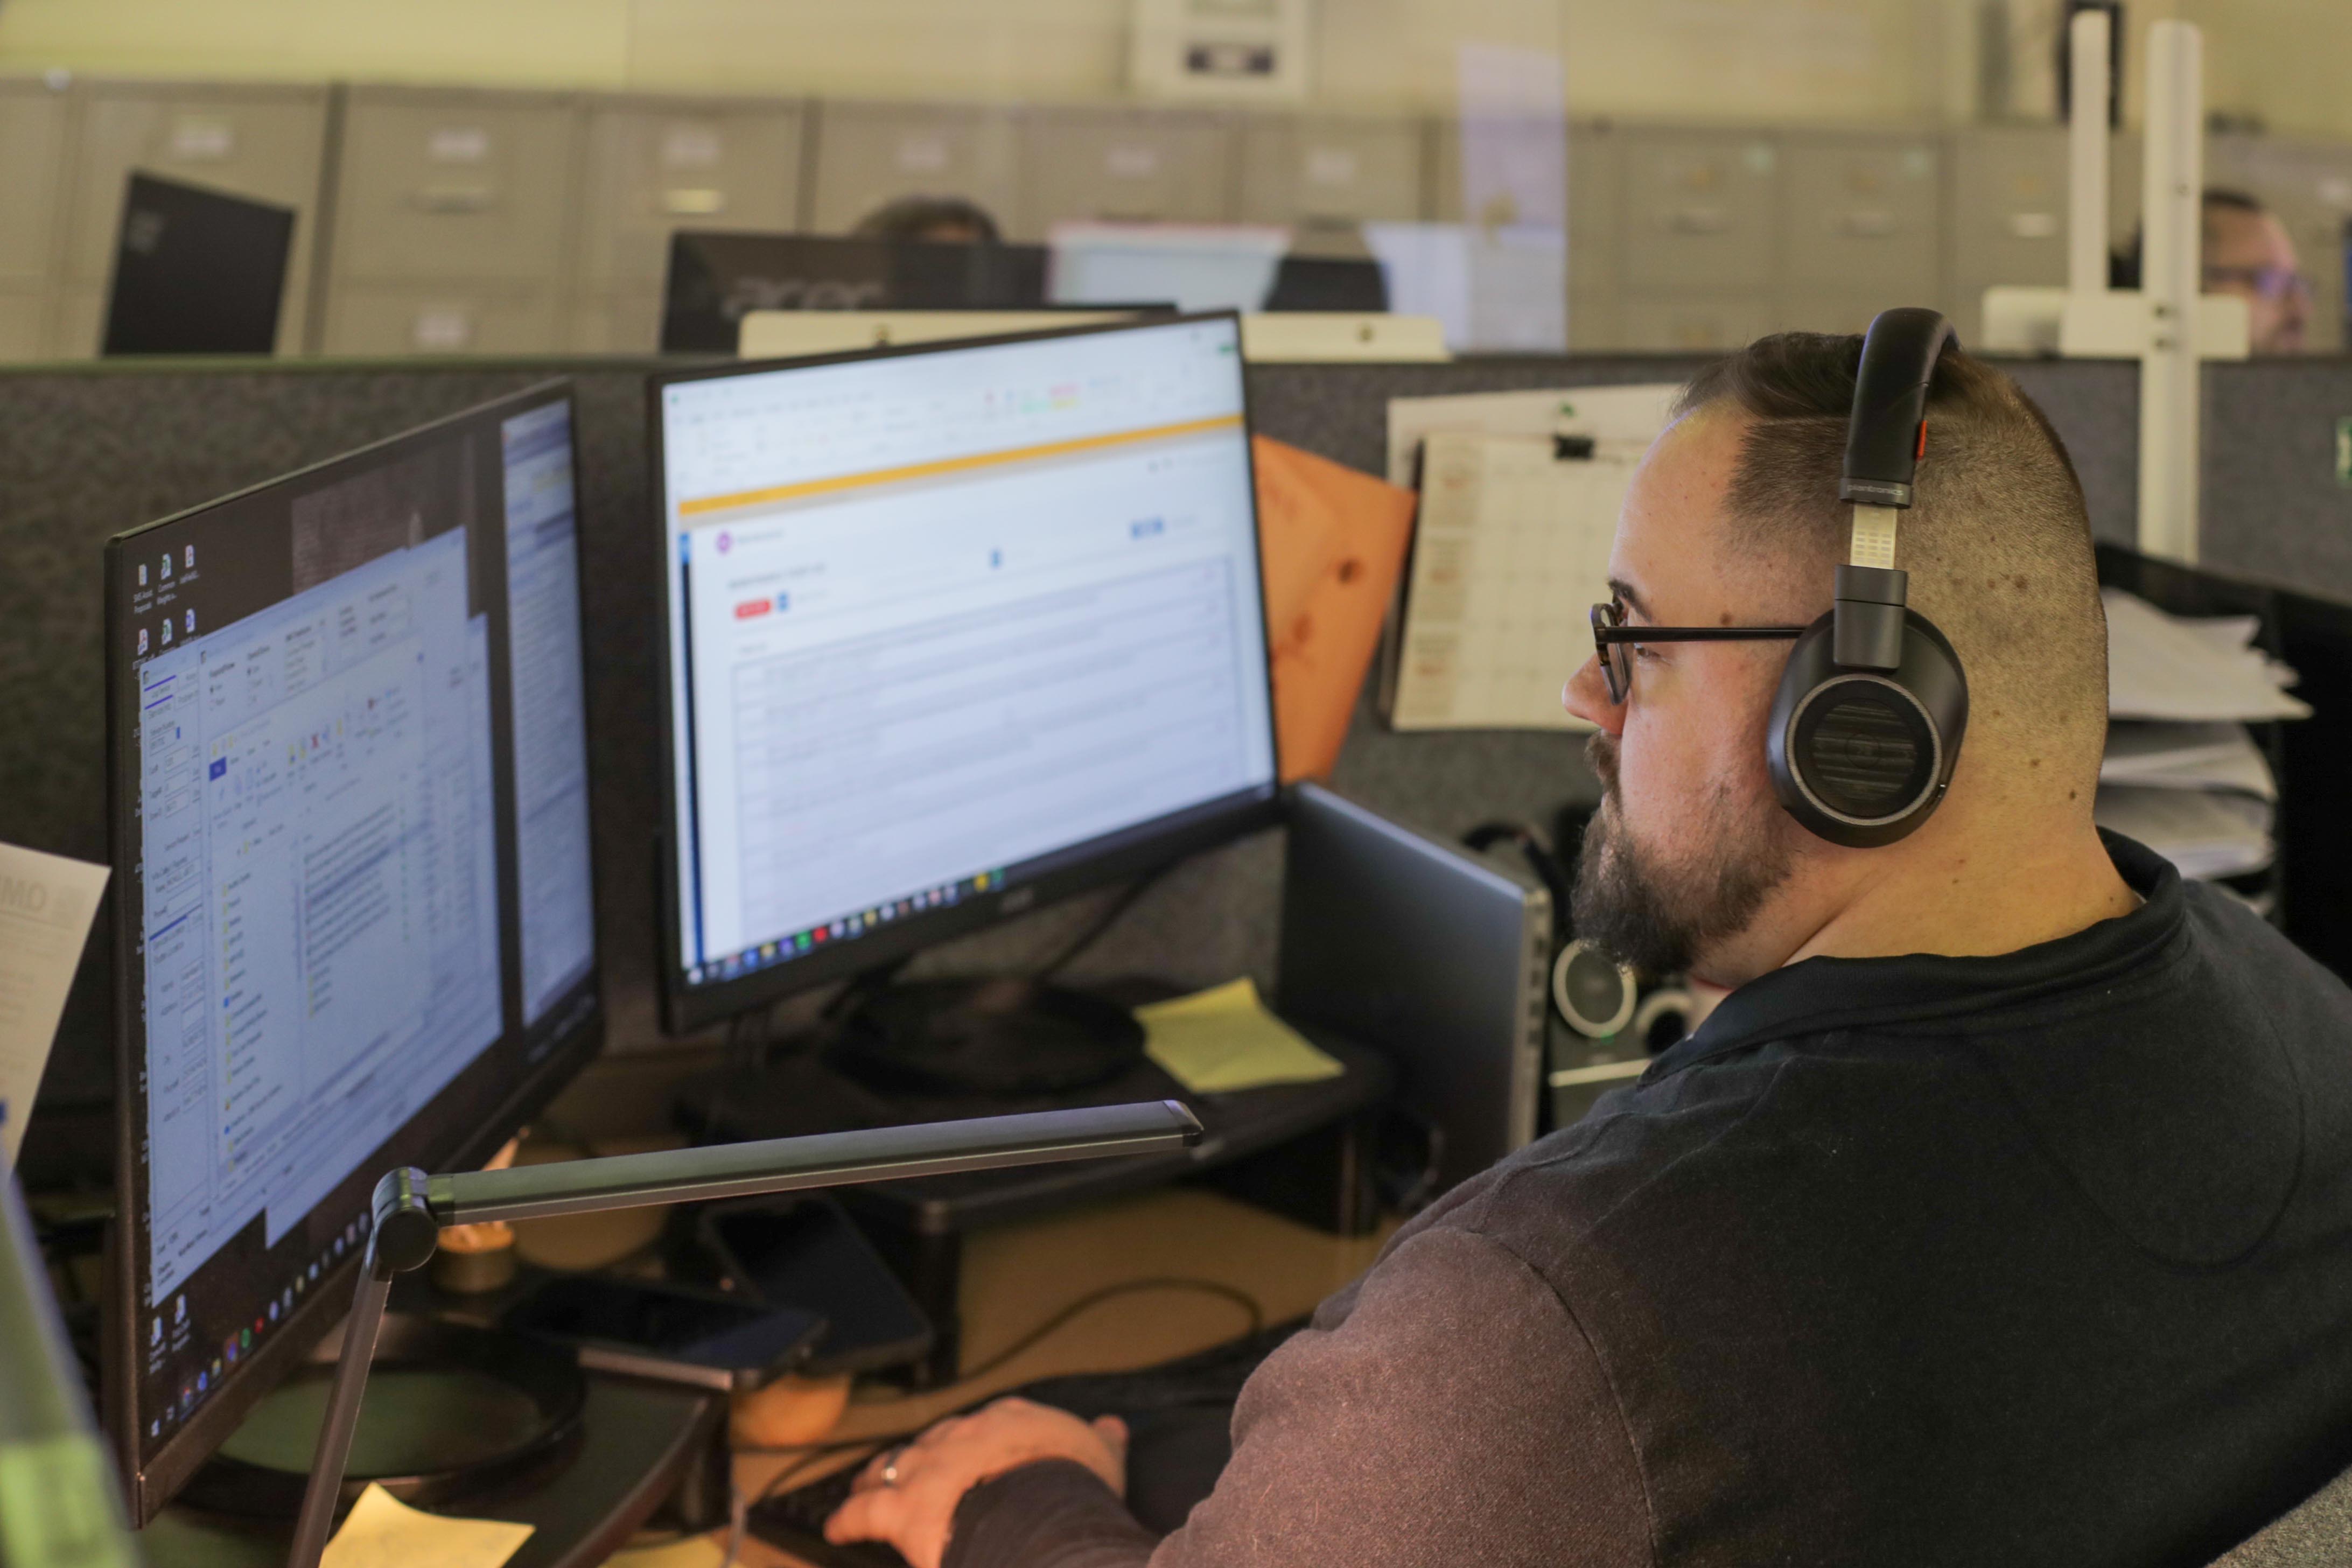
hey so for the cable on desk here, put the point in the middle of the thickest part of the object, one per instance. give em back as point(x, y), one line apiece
point(1239, 1298)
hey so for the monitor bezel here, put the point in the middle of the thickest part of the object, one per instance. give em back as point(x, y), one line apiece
point(150, 1484)
point(1127, 852)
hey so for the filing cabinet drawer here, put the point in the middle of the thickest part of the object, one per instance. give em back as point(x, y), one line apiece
point(1321, 173)
point(386, 320)
point(1840, 310)
point(1595, 193)
point(619, 324)
point(20, 323)
point(1693, 324)
point(32, 152)
point(2009, 208)
point(871, 153)
point(1595, 324)
point(455, 185)
point(75, 322)
point(654, 167)
point(1700, 211)
point(1862, 215)
point(1123, 165)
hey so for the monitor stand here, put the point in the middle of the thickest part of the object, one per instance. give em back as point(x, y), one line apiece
point(988, 1037)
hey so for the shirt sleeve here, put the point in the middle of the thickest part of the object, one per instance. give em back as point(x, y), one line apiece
point(1455, 1412)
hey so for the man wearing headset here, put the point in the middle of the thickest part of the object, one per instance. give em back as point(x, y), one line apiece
point(2002, 1212)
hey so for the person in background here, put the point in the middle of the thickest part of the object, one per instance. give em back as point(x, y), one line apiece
point(2248, 252)
point(938, 220)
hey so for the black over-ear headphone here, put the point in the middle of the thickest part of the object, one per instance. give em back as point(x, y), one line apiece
point(1868, 723)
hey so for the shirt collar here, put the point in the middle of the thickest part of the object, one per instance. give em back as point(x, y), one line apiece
point(1821, 994)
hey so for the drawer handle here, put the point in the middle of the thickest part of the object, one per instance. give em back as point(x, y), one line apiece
point(456, 198)
point(1699, 220)
point(694, 202)
point(1866, 223)
point(2033, 226)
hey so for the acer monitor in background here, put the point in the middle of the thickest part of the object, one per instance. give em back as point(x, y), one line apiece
point(714, 279)
point(348, 775)
point(195, 272)
point(950, 630)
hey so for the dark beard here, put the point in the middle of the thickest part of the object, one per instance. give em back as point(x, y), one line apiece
point(1657, 917)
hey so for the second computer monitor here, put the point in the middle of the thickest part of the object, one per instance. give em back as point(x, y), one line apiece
point(950, 629)
point(196, 271)
point(715, 280)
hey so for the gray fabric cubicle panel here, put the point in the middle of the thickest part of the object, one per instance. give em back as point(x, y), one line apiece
point(2273, 508)
point(87, 450)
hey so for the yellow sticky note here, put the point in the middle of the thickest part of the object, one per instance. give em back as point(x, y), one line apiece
point(381, 1531)
point(1222, 1040)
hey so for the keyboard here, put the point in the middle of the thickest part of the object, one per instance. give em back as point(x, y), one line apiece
point(794, 1521)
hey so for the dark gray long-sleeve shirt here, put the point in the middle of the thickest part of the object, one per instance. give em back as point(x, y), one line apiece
point(2039, 1258)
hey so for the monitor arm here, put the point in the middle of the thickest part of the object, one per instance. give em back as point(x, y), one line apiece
point(411, 1208)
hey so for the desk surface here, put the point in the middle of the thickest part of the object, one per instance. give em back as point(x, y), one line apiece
point(1016, 1277)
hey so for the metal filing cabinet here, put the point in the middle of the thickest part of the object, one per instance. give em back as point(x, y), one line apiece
point(2007, 216)
point(1123, 165)
point(1596, 226)
point(870, 153)
point(1323, 176)
point(1862, 229)
point(656, 165)
point(1701, 238)
point(1694, 323)
point(453, 222)
point(32, 155)
point(263, 142)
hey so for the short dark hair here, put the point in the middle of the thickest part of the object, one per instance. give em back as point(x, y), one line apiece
point(1998, 544)
point(922, 217)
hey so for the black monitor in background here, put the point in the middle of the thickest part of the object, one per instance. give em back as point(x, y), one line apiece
point(714, 279)
point(1354, 285)
point(348, 779)
point(949, 630)
point(195, 272)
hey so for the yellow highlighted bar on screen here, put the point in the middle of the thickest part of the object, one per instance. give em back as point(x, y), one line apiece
point(953, 465)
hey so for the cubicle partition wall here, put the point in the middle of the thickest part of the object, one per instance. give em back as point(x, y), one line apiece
point(87, 450)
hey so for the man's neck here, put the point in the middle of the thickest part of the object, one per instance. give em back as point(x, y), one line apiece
point(1972, 895)
point(1954, 889)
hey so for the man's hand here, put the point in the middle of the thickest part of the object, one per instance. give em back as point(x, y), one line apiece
point(908, 1496)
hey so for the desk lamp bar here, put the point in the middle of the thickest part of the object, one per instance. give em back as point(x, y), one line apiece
point(410, 1207)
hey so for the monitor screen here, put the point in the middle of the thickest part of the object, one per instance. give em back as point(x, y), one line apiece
point(715, 279)
point(950, 629)
point(350, 802)
point(196, 271)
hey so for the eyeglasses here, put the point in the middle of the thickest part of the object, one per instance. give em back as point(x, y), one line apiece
point(2271, 283)
point(1611, 637)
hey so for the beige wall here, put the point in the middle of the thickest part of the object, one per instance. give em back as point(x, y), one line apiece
point(1794, 60)
point(1808, 59)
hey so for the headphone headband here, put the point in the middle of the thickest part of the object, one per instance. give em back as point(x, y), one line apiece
point(1890, 405)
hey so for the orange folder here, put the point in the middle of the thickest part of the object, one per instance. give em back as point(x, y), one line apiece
point(1333, 544)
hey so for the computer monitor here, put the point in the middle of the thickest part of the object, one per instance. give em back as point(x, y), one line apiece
point(196, 271)
point(714, 279)
point(348, 773)
point(949, 630)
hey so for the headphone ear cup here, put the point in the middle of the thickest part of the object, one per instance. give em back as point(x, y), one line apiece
point(1862, 757)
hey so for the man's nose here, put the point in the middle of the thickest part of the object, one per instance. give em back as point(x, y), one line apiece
point(1586, 696)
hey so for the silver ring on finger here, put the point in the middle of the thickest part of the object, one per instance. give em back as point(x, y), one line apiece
point(891, 1468)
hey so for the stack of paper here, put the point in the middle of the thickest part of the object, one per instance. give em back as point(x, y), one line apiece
point(2182, 773)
